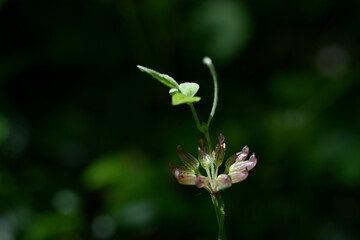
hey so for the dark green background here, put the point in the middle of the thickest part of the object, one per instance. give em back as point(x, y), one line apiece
point(85, 137)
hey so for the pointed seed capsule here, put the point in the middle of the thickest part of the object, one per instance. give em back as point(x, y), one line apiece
point(238, 176)
point(241, 166)
point(230, 161)
point(182, 169)
point(222, 182)
point(188, 160)
point(240, 156)
point(201, 181)
point(243, 154)
point(253, 161)
point(186, 179)
point(204, 157)
point(219, 152)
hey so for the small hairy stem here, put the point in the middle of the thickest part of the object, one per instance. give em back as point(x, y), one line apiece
point(212, 167)
point(207, 61)
point(220, 214)
point(195, 117)
point(211, 181)
point(208, 140)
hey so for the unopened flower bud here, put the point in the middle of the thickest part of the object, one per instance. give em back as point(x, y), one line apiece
point(238, 176)
point(253, 161)
point(222, 182)
point(201, 181)
point(236, 166)
point(187, 176)
point(183, 178)
point(219, 152)
point(181, 169)
point(204, 157)
point(244, 165)
point(240, 156)
point(243, 154)
point(230, 161)
point(188, 160)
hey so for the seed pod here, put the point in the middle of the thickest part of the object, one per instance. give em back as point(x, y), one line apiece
point(204, 157)
point(219, 152)
point(243, 154)
point(188, 160)
point(222, 182)
point(230, 161)
point(201, 181)
point(244, 165)
point(240, 156)
point(182, 169)
point(253, 161)
point(238, 176)
point(183, 178)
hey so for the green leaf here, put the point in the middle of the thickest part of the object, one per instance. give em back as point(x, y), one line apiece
point(180, 98)
point(163, 78)
point(173, 91)
point(189, 89)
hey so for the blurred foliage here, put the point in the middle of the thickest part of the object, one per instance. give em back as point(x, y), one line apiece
point(220, 29)
point(85, 138)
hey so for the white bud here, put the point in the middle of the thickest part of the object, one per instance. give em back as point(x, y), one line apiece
point(207, 61)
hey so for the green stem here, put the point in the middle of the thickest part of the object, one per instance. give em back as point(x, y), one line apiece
point(207, 61)
point(195, 117)
point(212, 167)
point(211, 182)
point(215, 197)
point(220, 214)
point(205, 128)
point(208, 140)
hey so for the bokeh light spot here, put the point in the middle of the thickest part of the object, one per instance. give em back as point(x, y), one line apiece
point(138, 213)
point(103, 227)
point(66, 201)
point(6, 230)
point(225, 28)
point(332, 61)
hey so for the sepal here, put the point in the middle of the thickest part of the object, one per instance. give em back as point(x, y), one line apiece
point(184, 178)
point(243, 154)
point(181, 169)
point(244, 165)
point(219, 152)
point(253, 161)
point(204, 157)
point(201, 181)
point(239, 171)
point(240, 156)
point(222, 182)
point(238, 176)
point(189, 160)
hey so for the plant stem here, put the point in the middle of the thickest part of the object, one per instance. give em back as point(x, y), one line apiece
point(207, 61)
point(220, 214)
point(215, 196)
point(212, 167)
point(195, 117)
point(210, 65)
point(205, 131)
point(208, 140)
point(211, 181)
